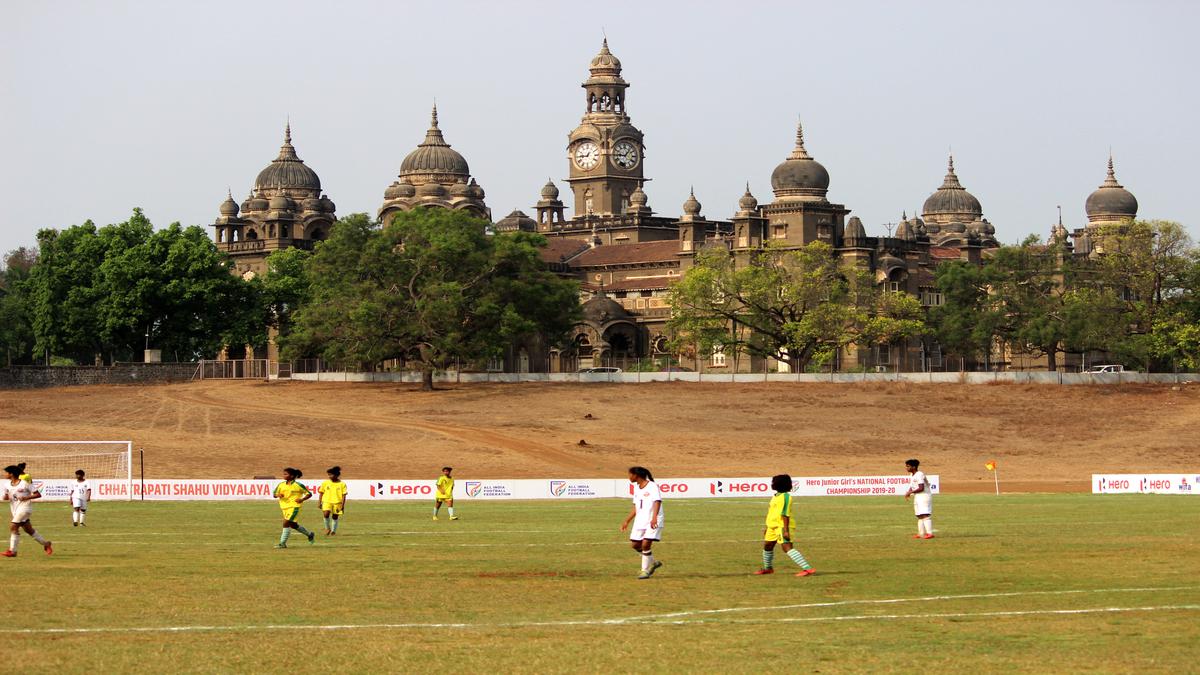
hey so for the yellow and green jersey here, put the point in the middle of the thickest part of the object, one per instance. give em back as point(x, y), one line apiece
point(290, 494)
point(781, 506)
point(445, 487)
point(332, 493)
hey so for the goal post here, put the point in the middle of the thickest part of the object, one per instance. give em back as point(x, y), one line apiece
point(52, 464)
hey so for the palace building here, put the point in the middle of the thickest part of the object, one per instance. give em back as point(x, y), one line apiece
point(626, 256)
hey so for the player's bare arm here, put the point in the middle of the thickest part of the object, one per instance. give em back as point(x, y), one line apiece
point(654, 514)
point(629, 518)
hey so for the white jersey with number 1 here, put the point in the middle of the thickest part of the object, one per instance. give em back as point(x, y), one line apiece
point(643, 502)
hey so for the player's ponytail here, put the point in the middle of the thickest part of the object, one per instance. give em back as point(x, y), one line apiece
point(21, 467)
point(641, 472)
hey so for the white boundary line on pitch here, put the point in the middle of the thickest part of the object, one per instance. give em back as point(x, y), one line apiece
point(665, 618)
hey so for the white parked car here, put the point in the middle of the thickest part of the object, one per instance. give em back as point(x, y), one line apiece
point(1111, 368)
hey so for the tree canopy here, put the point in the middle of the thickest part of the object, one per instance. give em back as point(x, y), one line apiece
point(432, 288)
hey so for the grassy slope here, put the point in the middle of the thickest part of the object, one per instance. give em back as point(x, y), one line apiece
point(507, 565)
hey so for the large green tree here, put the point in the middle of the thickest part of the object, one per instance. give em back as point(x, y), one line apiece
point(794, 305)
point(102, 293)
point(16, 324)
point(432, 288)
point(967, 321)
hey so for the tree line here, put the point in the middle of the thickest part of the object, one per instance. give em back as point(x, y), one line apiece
point(433, 288)
point(436, 287)
point(1136, 299)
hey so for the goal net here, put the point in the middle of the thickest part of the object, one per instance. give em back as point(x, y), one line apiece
point(52, 465)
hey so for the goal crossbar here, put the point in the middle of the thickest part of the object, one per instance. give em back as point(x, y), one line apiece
point(122, 449)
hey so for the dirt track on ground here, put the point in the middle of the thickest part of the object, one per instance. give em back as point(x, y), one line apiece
point(1045, 437)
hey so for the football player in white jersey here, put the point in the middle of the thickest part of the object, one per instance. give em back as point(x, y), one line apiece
point(646, 516)
point(922, 497)
point(81, 494)
point(21, 496)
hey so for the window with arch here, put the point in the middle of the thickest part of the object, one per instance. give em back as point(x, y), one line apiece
point(718, 356)
point(251, 235)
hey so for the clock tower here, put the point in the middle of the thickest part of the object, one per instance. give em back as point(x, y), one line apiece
point(605, 151)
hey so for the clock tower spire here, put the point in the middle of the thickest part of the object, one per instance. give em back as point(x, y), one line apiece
point(605, 151)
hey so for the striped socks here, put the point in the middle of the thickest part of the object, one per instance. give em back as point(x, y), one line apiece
point(287, 532)
point(335, 524)
point(796, 558)
point(768, 559)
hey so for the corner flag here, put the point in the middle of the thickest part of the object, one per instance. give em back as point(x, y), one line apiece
point(991, 466)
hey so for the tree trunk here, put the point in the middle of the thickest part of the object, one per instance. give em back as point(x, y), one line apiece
point(1052, 359)
point(427, 378)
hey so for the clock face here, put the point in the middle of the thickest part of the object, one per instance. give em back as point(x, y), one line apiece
point(625, 154)
point(587, 155)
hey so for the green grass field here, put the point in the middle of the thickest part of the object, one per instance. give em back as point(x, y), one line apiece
point(1032, 582)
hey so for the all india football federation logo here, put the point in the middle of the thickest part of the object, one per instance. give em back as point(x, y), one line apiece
point(716, 487)
point(377, 490)
point(473, 488)
point(558, 487)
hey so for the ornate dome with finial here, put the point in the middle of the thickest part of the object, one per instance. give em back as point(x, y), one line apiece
point(287, 171)
point(460, 189)
point(600, 309)
point(516, 221)
point(747, 202)
point(691, 207)
point(605, 63)
point(905, 231)
point(1110, 202)
point(550, 190)
point(638, 198)
point(229, 208)
point(800, 177)
point(434, 155)
point(327, 204)
point(951, 202)
point(475, 191)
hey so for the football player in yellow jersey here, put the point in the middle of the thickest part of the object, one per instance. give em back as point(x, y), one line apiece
point(333, 499)
point(779, 528)
point(291, 493)
point(445, 493)
point(24, 474)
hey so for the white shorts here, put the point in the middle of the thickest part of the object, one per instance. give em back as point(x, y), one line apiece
point(80, 504)
point(640, 533)
point(923, 504)
point(22, 516)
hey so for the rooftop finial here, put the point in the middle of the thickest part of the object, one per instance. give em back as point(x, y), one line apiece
point(950, 165)
point(433, 118)
point(799, 152)
point(1060, 215)
point(1111, 173)
point(287, 132)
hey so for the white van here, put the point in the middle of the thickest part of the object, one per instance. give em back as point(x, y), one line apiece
point(1111, 368)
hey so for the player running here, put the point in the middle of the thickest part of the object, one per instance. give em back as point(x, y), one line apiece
point(333, 499)
point(21, 496)
point(646, 516)
point(778, 529)
point(81, 494)
point(445, 493)
point(918, 489)
point(291, 493)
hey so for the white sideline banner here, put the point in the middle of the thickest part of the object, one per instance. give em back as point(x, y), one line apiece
point(1145, 483)
point(168, 489)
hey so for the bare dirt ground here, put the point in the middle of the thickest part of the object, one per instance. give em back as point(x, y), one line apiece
point(1044, 437)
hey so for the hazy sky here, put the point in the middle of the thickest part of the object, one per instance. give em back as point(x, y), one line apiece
point(105, 106)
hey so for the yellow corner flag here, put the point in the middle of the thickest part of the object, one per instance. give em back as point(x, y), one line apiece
point(991, 466)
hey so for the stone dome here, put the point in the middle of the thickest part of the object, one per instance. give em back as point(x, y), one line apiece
point(691, 207)
point(460, 189)
point(327, 204)
point(258, 203)
point(311, 204)
point(747, 202)
point(475, 192)
point(393, 191)
point(952, 199)
point(287, 170)
point(855, 230)
point(280, 203)
point(638, 198)
point(955, 227)
point(550, 190)
point(434, 155)
point(800, 177)
point(229, 208)
point(605, 62)
point(905, 231)
point(600, 309)
point(1111, 201)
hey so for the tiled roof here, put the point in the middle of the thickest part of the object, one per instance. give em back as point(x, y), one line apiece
point(626, 254)
point(944, 252)
point(560, 250)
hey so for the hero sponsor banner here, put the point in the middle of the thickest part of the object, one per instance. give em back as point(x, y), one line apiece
point(1149, 483)
point(531, 488)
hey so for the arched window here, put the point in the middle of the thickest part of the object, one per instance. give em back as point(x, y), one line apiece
point(317, 235)
point(251, 235)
